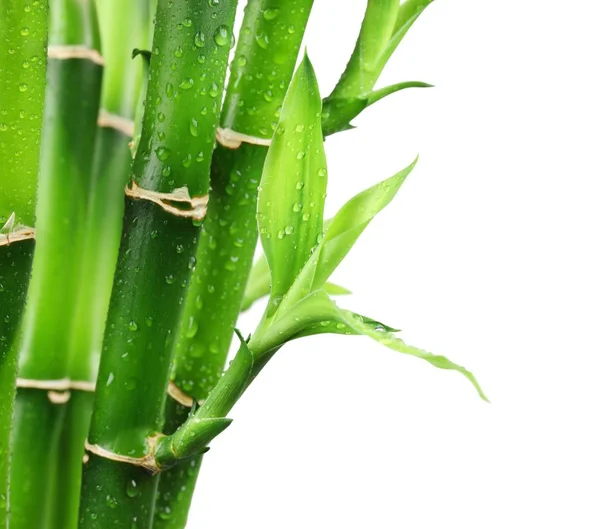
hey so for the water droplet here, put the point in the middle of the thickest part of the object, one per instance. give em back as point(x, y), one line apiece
point(322, 172)
point(23, 87)
point(186, 84)
point(187, 22)
point(270, 14)
point(110, 379)
point(299, 184)
point(242, 61)
point(289, 229)
point(132, 326)
point(178, 52)
point(149, 321)
point(263, 41)
point(213, 3)
point(194, 127)
point(169, 90)
point(170, 279)
point(300, 155)
point(200, 157)
point(24, 31)
point(192, 328)
point(162, 153)
point(213, 91)
point(299, 128)
point(213, 348)
point(222, 36)
point(187, 161)
point(3, 127)
point(199, 40)
point(297, 207)
point(26, 64)
point(161, 117)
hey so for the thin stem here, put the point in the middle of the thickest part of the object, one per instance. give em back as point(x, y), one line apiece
point(187, 71)
point(72, 100)
point(261, 71)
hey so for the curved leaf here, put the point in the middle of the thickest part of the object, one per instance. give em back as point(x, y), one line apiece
point(351, 220)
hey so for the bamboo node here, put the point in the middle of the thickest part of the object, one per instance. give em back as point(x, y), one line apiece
point(59, 397)
point(231, 139)
point(148, 461)
point(75, 52)
point(63, 385)
point(12, 232)
point(116, 122)
point(179, 396)
point(197, 205)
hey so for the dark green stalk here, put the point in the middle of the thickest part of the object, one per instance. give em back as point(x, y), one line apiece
point(187, 70)
point(23, 38)
point(261, 71)
point(122, 86)
point(71, 108)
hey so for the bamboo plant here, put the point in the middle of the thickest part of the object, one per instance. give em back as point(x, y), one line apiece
point(155, 184)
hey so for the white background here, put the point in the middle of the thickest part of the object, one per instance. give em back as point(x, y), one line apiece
point(489, 255)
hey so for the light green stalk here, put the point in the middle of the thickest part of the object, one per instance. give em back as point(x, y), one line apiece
point(46, 353)
point(23, 38)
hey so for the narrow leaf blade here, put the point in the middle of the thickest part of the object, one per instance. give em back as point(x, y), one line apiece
point(351, 220)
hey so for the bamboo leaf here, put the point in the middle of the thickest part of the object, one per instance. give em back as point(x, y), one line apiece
point(259, 285)
point(292, 194)
point(318, 314)
point(338, 112)
point(351, 220)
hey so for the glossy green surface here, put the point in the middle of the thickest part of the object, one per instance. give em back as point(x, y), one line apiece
point(183, 102)
point(265, 57)
point(384, 25)
point(23, 37)
point(46, 338)
point(187, 70)
point(15, 266)
point(38, 424)
point(262, 68)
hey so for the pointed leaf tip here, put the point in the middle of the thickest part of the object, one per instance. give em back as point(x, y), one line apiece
point(294, 181)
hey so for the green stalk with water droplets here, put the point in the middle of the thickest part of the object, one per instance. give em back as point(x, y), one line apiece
point(46, 349)
point(121, 91)
point(266, 53)
point(191, 45)
point(23, 39)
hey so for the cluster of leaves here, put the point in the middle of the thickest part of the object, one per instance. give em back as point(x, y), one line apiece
point(302, 250)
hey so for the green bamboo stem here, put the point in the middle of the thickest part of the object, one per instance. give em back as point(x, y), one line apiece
point(121, 91)
point(23, 38)
point(384, 25)
point(187, 71)
point(71, 109)
point(268, 45)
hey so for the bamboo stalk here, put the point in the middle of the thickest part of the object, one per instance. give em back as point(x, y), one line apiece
point(261, 71)
point(23, 38)
point(71, 108)
point(121, 91)
point(170, 176)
